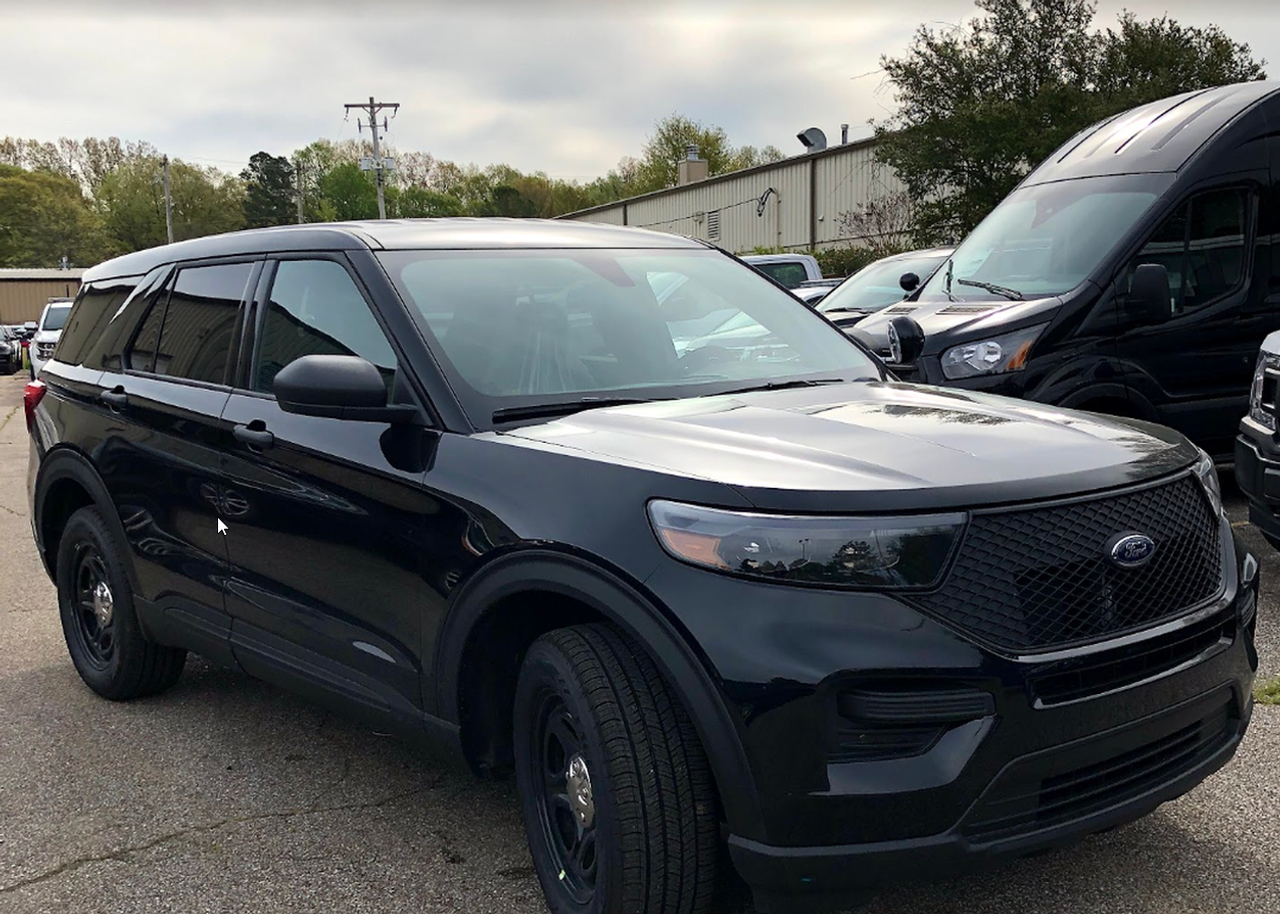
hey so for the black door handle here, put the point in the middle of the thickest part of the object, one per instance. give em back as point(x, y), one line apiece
point(258, 437)
point(116, 399)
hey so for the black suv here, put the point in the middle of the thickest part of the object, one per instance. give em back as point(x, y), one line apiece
point(612, 510)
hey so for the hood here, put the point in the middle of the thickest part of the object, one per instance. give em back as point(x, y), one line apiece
point(873, 446)
point(46, 336)
point(935, 317)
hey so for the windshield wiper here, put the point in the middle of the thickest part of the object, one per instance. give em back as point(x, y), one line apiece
point(785, 385)
point(566, 408)
point(992, 287)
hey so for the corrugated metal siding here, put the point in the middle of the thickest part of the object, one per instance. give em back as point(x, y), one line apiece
point(815, 190)
point(23, 299)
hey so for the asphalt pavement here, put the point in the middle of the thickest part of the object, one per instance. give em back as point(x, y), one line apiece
point(228, 795)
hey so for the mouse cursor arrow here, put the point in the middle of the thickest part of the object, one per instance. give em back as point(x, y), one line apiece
point(222, 528)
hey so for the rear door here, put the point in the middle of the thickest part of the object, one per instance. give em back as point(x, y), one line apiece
point(326, 517)
point(160, 454)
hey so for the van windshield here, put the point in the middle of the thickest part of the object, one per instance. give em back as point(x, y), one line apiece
point(1045, 239)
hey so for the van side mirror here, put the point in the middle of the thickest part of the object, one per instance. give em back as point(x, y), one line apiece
point(337, 387)
point(1150, 300)
point(909, 282)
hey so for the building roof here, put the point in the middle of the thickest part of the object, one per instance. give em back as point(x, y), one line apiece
point(394, 234)
point(729, 175)
point(1162, 136)
point(7, 273)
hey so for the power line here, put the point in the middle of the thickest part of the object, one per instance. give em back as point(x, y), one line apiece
point(378, 165)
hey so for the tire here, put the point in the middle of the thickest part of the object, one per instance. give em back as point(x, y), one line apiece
point(633, 829)
point(98, 618)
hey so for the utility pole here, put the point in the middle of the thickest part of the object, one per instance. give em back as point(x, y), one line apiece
point(297, 170)
point(168, 201)
point(372, 109)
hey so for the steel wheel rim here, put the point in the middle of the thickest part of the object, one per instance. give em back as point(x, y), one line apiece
point(564, 798)
point(93, 606)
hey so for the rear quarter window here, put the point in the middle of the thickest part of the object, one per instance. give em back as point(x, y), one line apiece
point(93, 310)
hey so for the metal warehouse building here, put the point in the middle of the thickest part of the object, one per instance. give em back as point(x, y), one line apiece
point(795, 203)
point(24, 293)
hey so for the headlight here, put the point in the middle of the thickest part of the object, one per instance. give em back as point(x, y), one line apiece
point(994, 356)
point(870, 552)
point(1208, 475)
point(1262, 396)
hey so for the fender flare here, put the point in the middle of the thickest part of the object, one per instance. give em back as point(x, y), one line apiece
point(65, 462)
point(636, 614)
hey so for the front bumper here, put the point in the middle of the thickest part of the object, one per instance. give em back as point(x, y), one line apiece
point(1128, 770)
point(1257, 469)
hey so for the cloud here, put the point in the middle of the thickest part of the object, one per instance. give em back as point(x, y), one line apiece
point(567, 87)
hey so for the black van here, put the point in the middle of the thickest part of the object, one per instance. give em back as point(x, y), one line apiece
point(1133, 273)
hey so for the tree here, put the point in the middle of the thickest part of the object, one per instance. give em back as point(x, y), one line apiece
point(131, 201)
point(44, 220)
point(270, 196)
point(658, 163)
point(982, 104)
point(349, 192)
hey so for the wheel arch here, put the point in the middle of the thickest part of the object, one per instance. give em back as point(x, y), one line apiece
point(66, 482)
point(595, 594)
point(1115, 399)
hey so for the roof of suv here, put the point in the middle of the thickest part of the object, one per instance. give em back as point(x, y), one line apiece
point(395, 234)
point(1160, 136)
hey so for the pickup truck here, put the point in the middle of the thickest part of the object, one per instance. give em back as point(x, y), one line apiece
point(792, 270)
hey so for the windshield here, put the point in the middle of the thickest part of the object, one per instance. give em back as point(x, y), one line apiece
point(878, 285)
point(1046, 239)
point(519, 328)
point(55, 317)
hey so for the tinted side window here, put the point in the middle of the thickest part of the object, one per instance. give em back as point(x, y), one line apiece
point(200, 320)
point(93, 311)
point(315, 308)
point(142, 353)
point(1202, 246)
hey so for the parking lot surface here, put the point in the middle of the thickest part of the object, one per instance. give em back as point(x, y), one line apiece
point(228, 795)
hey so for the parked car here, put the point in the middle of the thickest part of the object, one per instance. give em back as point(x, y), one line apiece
point(10, 350)
point(879, 285)
point(791, 270)
point(811, 294)
point(470, 480)
point(47, 333)
point(1257, 454)
point(1133, 272)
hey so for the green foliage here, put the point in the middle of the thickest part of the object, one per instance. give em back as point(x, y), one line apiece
point(131, 202)
point(350, 192)
point(45, 218)
point(979, 106)
point(270, 197)
point(846, 260)
point(1267, 691)
point(658, 163)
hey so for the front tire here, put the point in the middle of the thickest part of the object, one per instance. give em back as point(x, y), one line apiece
point(98, 620)
point(617, 796)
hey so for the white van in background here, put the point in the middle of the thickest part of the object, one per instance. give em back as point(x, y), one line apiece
point(48, 331)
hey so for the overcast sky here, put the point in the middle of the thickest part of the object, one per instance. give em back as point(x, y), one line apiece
point(564, 87)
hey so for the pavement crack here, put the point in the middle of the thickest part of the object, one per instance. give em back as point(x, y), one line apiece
point(71, 866)
point(8, 416)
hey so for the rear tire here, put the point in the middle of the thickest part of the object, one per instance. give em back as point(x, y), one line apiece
point(98, 620)
point(616, 792)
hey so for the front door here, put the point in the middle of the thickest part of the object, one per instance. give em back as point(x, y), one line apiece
point(1195, 367)
point(324, 516)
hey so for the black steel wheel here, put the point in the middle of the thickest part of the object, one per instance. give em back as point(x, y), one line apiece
point(616, 792)
point(95, 600)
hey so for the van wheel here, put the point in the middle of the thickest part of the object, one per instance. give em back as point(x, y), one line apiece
point(616, 792)
point(98, 620)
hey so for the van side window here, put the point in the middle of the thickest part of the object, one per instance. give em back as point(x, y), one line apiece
point(1202, 245)
point(315, 308)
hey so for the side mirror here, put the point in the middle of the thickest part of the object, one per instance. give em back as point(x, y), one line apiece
point(906, 341)
point(336, 387)
point(1150, 300)
point(909, 282)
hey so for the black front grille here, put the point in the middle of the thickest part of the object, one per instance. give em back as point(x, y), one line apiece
point(1038, 578)
point(1021, 802)
point(1120, 668)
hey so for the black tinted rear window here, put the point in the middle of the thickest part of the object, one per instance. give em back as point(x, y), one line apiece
point(89, 318)
point(195, 338)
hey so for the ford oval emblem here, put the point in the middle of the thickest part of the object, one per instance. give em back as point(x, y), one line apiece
point(1131, 550)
